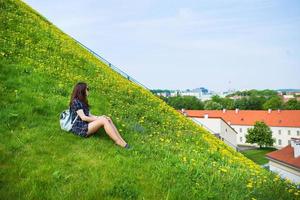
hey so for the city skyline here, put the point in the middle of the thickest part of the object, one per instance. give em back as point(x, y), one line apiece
point(232, 90)
point(176, 45)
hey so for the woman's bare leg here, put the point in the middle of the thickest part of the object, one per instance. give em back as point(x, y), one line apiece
point(116, 130)
point(95, 125)
point(114, 127)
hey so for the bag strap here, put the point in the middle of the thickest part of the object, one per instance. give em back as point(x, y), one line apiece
point(75, 117)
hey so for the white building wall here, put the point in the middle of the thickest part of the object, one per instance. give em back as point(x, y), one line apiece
point(285, 171)
point(282, 135)
point(195, 94)
point(241, 136)
point(218, 126)
point(174, 94)
point(228, 133)
point(213, 124)
point(205, 97)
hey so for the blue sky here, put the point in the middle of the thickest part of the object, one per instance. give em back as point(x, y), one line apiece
point(229, 44)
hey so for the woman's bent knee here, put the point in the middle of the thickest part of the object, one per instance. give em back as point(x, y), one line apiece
point(102, 122)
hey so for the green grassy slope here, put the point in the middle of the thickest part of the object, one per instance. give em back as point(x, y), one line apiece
point(172, 157)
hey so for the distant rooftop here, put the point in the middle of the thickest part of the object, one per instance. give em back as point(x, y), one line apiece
point(279, 118)
point(285, 155)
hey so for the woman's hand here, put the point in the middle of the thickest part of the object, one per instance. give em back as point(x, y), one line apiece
point(108, 118)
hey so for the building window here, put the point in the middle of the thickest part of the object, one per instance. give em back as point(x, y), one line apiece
point(241, 139)
point(279, 132)
point(279, 141)
point(298, 133)
point(289, 132)
point(289, 141)
point(241, 130)
point(226, 130)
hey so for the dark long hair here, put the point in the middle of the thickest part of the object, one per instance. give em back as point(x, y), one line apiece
point(79, 92)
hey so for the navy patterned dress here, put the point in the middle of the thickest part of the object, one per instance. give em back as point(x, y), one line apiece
point(79, 127)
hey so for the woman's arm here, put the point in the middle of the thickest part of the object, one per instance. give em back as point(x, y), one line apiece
point(96, 117)
point(93, 116)
point(83, 117)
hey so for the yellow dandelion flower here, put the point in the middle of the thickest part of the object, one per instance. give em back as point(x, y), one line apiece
point(223, 170)
point(249, 185)
point(290, 190)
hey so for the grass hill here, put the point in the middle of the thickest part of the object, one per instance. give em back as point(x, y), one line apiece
point(172, 157)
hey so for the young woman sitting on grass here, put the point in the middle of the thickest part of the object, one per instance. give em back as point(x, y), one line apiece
point(87, 124)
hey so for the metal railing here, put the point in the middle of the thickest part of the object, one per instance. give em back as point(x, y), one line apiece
point(116, 69)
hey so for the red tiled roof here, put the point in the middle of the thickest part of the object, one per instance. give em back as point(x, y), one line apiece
point(285, 155)
point(284, 118)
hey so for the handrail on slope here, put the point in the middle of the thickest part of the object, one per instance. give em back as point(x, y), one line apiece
point(111, 65)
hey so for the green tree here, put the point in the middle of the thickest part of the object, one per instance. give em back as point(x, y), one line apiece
point(228, 103)
point(242, 103)
point(211, 105)
point(259, 93)
point(186, 102)
point(260, 134)
point(292, 104)
point(217, 99)
point(255, 102)
point(274, 102)
point(165, 99)
point(225, 102)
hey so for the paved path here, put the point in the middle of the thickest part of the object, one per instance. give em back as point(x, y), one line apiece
point(244, 148)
